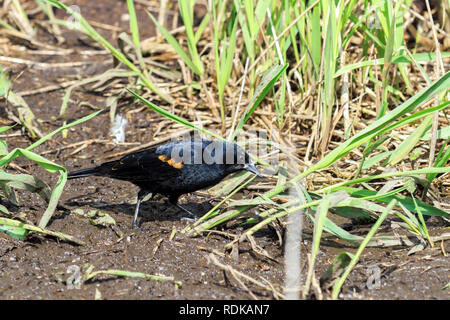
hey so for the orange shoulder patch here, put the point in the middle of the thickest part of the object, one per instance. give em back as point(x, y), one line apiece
point(178, 165)
point(172, 163)
point(163, 158)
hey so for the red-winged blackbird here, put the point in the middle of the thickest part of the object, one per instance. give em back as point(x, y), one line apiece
point(175, 168)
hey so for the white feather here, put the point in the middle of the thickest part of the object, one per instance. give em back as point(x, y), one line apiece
point(118, 128)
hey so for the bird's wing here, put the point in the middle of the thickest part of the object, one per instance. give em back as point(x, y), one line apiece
point(146, 165)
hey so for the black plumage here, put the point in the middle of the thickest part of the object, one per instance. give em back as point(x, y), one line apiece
point(175, 168)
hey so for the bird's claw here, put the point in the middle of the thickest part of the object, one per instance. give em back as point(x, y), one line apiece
point(189, 219)
point(136, 227)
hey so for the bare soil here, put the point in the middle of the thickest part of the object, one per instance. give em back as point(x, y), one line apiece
point(39, 267)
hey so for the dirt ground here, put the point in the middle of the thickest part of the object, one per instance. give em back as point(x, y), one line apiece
point(39, 267)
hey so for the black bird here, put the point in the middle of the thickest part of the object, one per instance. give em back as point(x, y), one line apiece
point(175, 168)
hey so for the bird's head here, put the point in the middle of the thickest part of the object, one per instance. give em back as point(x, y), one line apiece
point(236, 158)
point(211, 152)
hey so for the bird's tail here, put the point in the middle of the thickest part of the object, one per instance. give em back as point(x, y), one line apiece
point(83, 173)
point(102, 170)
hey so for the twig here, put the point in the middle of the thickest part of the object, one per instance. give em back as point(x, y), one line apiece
point(418, 16)
point(439, 70)
point(161, 15)
point(236, 112)
point(45, 65)
point(236, 273)
point(18, 168)
point(49, 88)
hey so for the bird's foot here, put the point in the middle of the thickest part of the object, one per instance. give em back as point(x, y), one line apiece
point(192, 217)
point(189, 219)
point(136, 227)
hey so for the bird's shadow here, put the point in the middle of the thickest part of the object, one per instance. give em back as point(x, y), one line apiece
point(151, 210)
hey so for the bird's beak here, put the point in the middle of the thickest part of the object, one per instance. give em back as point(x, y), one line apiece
point(252, 168)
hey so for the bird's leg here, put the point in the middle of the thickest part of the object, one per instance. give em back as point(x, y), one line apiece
point(141, 195)
point(194, 217)
point(174, 200)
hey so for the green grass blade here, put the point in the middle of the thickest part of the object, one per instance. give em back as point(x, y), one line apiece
point(133, 24)
point(6, 128)
point(248, 40)
point(337, 287)
point(226, 64)
point(419, 57)
point(319, 222)
point(176, 46)
point(187, 14)
point(267, 83)
point(377, 127)
point(443, 133)
point(441, 160)
point(173, 117)
point(65, 127)
point(201, 28)
point(15, 232)
point(47, 165)
point(116, 53)
point(25, 182)
point(407, 202)
point(405, 147)
point(29, 227)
